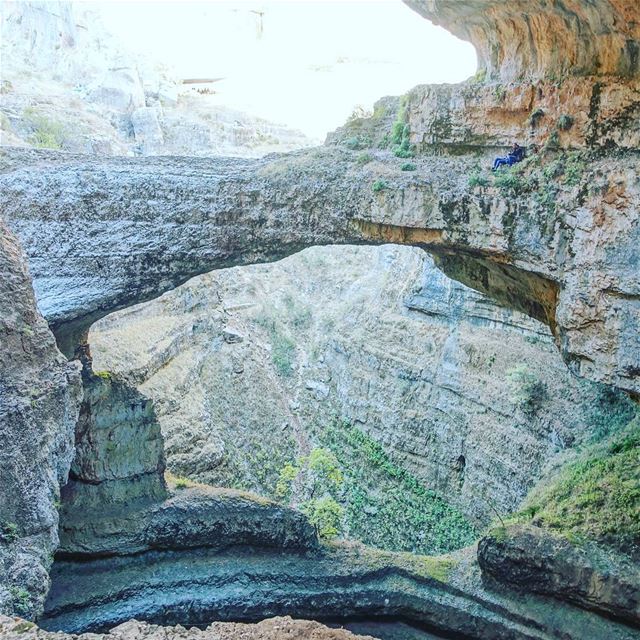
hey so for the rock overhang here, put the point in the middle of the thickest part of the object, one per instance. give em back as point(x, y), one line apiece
point(537, 38)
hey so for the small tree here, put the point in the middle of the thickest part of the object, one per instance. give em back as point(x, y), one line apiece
point(315, 478)
point(325, 514)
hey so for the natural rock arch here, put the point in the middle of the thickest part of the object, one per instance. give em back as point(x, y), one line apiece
point(103, 234)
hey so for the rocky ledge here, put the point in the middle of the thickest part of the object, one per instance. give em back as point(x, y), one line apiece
point(444, 595)
point(535, 560)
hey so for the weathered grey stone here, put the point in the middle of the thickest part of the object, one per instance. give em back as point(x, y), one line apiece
point(194, 586)
point(39, 397)
point(155, 223)
point(193, 517)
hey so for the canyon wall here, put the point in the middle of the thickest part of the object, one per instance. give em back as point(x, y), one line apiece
point(247, 368)
point(40, 394)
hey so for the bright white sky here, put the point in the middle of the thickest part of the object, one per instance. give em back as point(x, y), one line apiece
point(311, 64)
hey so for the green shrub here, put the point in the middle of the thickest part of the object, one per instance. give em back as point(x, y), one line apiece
point(611, 411)
point(565, 122)
point(283, 351)
point(9, 532)
point(20, 601)
point(105, 375)
point(408, 166)
point(385, 505)
point(535, 116)
point(364, 158)
point(286, 478)
point(477, 179)
point(379, 185)
point(528, 392)
point(553, 142)
point(509, 182)
point(358, 142)
point(574, 169)
point(398, 130)
point(47, 133)
point(317, 477)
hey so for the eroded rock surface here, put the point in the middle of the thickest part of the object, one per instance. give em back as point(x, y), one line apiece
point(154, 224)
point(445, 595)
point(39, 397)
point(524, 37)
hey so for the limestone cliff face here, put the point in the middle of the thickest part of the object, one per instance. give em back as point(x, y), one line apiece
point(379, 337)
point(121, 104)
point(39, 396)
point(523, 38)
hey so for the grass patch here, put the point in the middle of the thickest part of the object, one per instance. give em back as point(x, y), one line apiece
point(597, 496)
point(283, 349)
point(509, 182)
point(477, 179)
point(408, 166)
point(364, 158)
point(46, 133)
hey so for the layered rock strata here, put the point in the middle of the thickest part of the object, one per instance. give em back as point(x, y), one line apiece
point(39, 396)
point(192, 587)
point(535, 560)
point(379, 337)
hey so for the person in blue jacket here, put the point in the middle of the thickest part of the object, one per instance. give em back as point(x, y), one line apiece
point(516, 154)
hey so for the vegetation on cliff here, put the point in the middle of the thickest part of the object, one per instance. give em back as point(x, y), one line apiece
point(595, 496)
point(385, 505)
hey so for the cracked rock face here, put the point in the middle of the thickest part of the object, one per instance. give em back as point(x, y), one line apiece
point(525, 38)
point(39, 397)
